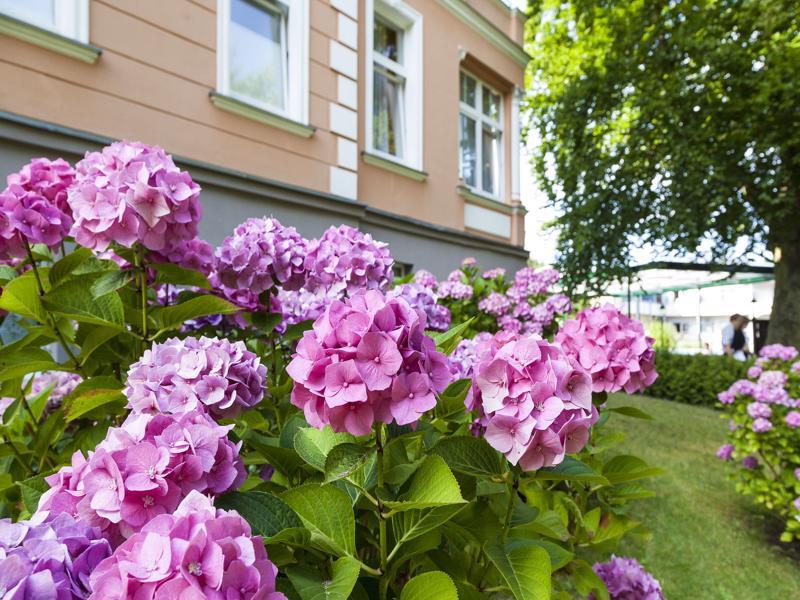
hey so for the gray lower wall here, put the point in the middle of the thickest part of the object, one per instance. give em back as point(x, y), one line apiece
point(229, 197)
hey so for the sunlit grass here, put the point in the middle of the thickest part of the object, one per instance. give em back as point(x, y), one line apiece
point(708, 541)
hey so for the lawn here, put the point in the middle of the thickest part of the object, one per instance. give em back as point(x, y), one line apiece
point(709, 543)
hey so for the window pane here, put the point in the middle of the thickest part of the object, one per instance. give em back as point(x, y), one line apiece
point(257, 53)
point(491, 104)
point(490, 159)
point(387, 113)
point(38, 12)
point(468, 151)
point(467, 89)
point(387, 41)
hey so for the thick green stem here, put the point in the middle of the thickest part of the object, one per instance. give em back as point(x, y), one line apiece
point(50, 317)
point(142, 289)
point(512, 500)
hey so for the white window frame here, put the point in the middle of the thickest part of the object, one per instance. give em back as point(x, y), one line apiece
point(404, 18)
point(480, 119)
point(71, 19)
point(296, 72)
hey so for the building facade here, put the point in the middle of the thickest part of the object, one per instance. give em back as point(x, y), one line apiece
point(400, 117)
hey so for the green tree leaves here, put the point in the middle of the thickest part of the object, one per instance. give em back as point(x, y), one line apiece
point(524, 567)
point(328, 514)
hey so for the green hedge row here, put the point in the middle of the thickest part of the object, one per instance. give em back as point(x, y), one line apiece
point(695, 379)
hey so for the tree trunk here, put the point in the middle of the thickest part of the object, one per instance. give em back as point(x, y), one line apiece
point(784, 324)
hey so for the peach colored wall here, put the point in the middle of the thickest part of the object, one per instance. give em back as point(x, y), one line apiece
point(159, 64)
point(498, 14)
point(152, 83)
point(436, 199)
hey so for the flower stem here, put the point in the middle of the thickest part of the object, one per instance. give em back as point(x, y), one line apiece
point(382, 534)
point(512, 497)
point(50, 317)
point(143, 290)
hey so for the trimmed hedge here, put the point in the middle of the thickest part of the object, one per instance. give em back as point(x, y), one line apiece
point(695, 378)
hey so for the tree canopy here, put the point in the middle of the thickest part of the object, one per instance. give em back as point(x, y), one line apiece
point(674, 124)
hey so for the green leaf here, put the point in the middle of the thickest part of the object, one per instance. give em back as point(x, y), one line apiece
point(311, 585)
point(6, 274)
point(313, 444)
point(451, 401)
point(296, 331)
point(525, 569)
point(173, 274)
point(410, 524)
point(98, 336)
point(267, 514)
point(587, 581)
point(345, 459)
point(285, 460)
point(446, 342)
point(631, 411)
point(111, 282)
point(547, 523)
point(173, 317)
point(470, 455)
point(328, 513)
point(61, 269)
point(571, 469)
point(559, 556)
point(625, 468)
point(21, 296)
point(433, 485)
point(27, 360)
point(74, 300)
point(433, 585)
point(90, 400)
point(31, 490)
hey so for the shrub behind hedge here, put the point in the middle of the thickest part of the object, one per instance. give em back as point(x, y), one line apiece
point(695, 379)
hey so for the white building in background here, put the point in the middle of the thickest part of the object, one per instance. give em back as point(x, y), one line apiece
point(697, 304)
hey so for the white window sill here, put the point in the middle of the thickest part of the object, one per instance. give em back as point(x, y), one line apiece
point(482, 199)
point(394, 166)
point(48, 39)
point(254, 113)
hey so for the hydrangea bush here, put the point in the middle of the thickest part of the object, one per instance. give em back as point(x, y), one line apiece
point(273, 419)
point(764, 439)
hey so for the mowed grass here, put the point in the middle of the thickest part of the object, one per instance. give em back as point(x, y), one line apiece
point(709, 543)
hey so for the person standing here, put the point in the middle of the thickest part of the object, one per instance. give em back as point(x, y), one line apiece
point(740, 345)
point(727, 334)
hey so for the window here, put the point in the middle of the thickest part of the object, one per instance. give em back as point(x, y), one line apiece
point(69, 18)
point(262, 54)
point(480, 135)
point(394, 82)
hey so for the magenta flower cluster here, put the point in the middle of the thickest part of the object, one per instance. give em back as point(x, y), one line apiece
point(49, 556)
point(533, 400)
point(626, 579)
point(367, 359)
point(143, 469)
point(131, 192)
point(495, 304)
point(196, 552)
point(205, 374)
point(260, 254)
point(495, 273)
point(301, 305)
point(346, 260)
point(455, 290)
point(778, 352)
point(424, 299)
point(612, 347)
point(425, 278)
point(194, 254)
point(33, 208)
point(531, 282)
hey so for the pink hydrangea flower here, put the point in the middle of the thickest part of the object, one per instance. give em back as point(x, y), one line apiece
point(757, 409)
point(194, 254)
point(793, 419)
point(534, 401)
point(424, 298)
point(261, 254)
point(207, 374)
point(143, 469)
point(778, 352)
point(455, 290)
point(725, 452)
point(612, 347)
point(626, 579)
point(754, 371)
point(196, 552)
point(367, 359)
point(761, 425)
point(495, 273)
point(347, 260)
point(425, 279)
point(133, 193)
point(530, 282)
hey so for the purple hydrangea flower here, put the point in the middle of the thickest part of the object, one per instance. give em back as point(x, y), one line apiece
point(194, 254)
point(197, 552)
point(455, 290)
point(495, 304)
point(207, 374)
point(725, 452)
point(793, 419)
point(750, 463)
point(347, 260)
point(469, 261)
point(626, 579)
point(49, 556)
point(425, 278)
point(559, 304)
point(754, 371)
point(778, 352)
point(757, 409)
point(301, 305)
point(530, 282)
point(762, 425)
point(62, 384)
point(495, 273)
point(423, 298)
point(131, 192)
point(261, 254)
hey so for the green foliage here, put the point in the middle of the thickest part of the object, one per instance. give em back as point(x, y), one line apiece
point(667, 124)
point(695, 378)
point(664, 334)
